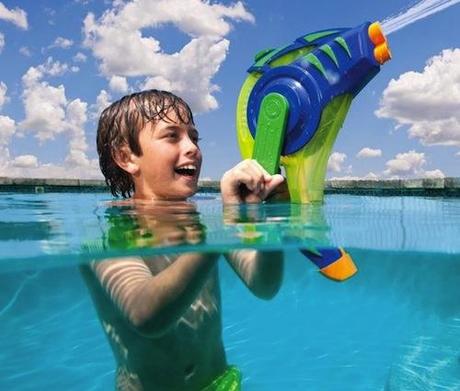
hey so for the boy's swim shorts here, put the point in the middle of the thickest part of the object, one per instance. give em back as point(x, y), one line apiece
point(230, 380)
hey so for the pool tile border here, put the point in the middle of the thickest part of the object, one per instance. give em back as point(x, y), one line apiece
point(449, 186)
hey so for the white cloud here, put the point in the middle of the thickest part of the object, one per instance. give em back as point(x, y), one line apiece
point(406, 164)
point(434, 174)
point(80, 57)
point(335, 161)
point(369, 153)
point(76, 118)
point(44, 105)
point(7, 129)
point(48, 113)
point(118, 84)
point(116, 40)
point(62, 43)
point(103, 100)
point(2, 42)
point(370, 176)
point(3, 97)
point(25, 51)
point(427, 102)
point(4, 160)
point(25, 161)
point(206, 179)
point(16, 16)
point(458, 153)
point(49, 68)
point(49, 170)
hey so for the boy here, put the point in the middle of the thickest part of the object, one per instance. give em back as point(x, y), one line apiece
point(162, 315)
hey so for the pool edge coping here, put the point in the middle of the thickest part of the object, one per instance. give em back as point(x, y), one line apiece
point(448, 186)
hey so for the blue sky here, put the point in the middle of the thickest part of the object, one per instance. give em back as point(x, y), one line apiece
point(63, 62)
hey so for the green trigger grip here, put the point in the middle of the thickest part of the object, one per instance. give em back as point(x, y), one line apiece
point(271, 125)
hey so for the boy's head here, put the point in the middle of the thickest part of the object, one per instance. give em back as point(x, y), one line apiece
point(147, 144)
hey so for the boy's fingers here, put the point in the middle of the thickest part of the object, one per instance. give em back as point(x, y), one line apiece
point(256, 174)
point(275, 181)
point(264, 172)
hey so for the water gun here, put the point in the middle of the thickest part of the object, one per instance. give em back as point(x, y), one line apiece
point(295, 99)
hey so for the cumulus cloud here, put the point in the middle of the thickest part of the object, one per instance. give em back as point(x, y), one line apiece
point(116, 40)
point(48, 112)
point(76, 118)
point(103, 100)
point(3, 97)
point(406, 164)
point(369, 153)
point(434, 174)
point(25, 161)
point(7, 129)
point(335, 161)
point(16, 16)
point(2, 42)
point(427, 102)
point(118, 84)
point(370, 176)
point(49, 68)
point(25, 51)
point(80, 57)
point(44, 105)
point(49, 170)
point(62, 43)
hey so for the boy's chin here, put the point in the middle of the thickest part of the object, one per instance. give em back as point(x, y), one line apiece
point(188, 190)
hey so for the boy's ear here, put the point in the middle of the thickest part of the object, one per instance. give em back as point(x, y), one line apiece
point(126, 160)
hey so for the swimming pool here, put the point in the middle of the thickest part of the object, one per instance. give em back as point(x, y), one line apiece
point(394, 326)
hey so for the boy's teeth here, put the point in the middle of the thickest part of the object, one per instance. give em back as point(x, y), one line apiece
point(188, 169)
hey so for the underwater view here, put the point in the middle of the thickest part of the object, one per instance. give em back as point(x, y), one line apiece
point(394, 325)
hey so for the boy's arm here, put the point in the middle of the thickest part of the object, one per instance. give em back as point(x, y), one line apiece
point(261, 271)
point(249, 182)
point(152, 303)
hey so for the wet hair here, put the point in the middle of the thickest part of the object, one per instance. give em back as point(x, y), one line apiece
point(120, 124)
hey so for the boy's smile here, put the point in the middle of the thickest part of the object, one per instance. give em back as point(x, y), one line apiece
point(170, 163)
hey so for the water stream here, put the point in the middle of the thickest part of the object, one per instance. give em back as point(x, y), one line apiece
point(420, 10)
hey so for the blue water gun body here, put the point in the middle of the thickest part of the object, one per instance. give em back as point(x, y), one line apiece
point(294, 102)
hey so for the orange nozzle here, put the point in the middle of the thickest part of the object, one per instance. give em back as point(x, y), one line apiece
point(341, 269)
point(376, 34)
point(382, 52)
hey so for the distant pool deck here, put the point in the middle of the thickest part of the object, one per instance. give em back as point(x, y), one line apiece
point(441, 187)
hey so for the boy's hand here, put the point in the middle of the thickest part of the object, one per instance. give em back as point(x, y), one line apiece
point(248, 182)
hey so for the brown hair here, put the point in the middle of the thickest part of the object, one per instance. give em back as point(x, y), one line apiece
point(120, 124)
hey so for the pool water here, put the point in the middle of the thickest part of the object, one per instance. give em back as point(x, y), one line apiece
point(393, 326)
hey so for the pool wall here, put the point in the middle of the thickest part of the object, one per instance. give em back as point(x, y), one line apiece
point(444, 187)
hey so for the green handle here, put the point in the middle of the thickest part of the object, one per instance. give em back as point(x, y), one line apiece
point(271, 125)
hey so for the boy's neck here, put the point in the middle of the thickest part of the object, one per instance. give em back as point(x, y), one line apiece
point(150, 196)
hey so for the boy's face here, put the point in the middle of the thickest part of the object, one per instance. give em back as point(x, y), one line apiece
point(171, 160)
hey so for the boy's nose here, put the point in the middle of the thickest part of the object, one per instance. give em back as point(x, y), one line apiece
point(190, 146)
